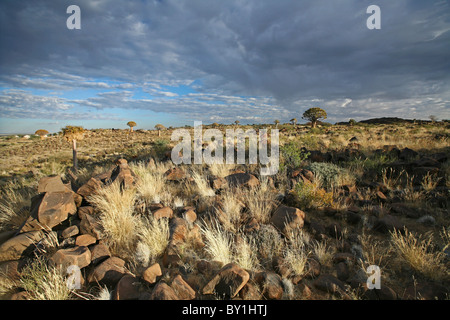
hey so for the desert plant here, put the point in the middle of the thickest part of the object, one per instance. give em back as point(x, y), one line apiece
point(293, 121)
point(292, 156)
point(43, 282)
point(420, 254)
point(245, 254)
point(295, 254)
point(72, 134)
point(219, 242)
point(331, 175)
point(260, 201)
point(311, 195)
point(131, 124)
point(159, 127)
point(120, 225)
point(313, 115)
point(42, 133)
point(277, 122)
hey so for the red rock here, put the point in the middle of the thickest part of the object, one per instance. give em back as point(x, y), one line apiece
point(18, 246)
point(79, 256)
point(91, 187)
point(54, 208)
point(228, 281)
point(163, 292)
point(51, 184)
point(127, 288)
point(109, 272)
point(285, 218)
point(165, 212)
point(85, 240)
point(175, 174)
point(182, 289)
point(271, 285)
point(99, 253)
point(152, 273)
point(242, 180)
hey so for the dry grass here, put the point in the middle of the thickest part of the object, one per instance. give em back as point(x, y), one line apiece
point(116, 208)
point(296, 253)
point(245, 254)
point(43, 282)
point(419, 253)
point(260, 201)
point(219, 242)
point(153, 239)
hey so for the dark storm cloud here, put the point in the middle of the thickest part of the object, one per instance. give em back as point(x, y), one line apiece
point(297, 53)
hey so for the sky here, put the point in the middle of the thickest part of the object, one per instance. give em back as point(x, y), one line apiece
point(178, 61)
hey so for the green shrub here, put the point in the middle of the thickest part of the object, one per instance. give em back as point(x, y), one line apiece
point(331, 175)
point(292, 156)
point(310, 195)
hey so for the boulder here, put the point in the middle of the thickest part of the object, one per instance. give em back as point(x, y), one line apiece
point(285, 218)
point(163, 292)
point(388, 223)
point(182, 289)
point(270, 284)
point(123, 174)
point(242, 179)
point(99, 253)
point(175, 174)
point(152, 273)
point(228, 281)
point(70, 232)
point(109, 272)
point(54, 208)
point(330, 284)
point(20, 245)
point(127, 288)
point(90, 188)
point(164, 212)
point(90, 225)
point(78, 255)
point(51, 184)
point(85, 240)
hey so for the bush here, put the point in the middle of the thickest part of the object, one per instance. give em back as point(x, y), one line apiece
point(292, 156)
point(331, 175)
point(310, 195)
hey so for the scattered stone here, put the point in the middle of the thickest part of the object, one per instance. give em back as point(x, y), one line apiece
point(218, 183)
point(90, 225)
point(270, 284)
point(175, 174)
point(123, 174)
point(182, 289)
point(152, 273)
point(242, 180)
point(109, 272)
point(178, 230)
point(90, 188)
point(20, 245)
point(163, 292)
point(342, 271)
point(70, 232)
point(164, 212)
point(285, 218)
point(228, 281)
point(83, 211)
point(54, 208)
point(330, 284)
point(388, 223)
point(85, 240)
point(51, 184)
point(189, 215)
point(127, 288)
point(99, 253)
point(79, 256)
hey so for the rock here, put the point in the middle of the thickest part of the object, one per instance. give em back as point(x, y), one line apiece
point(342, 271)
point(271, 285)
point(164, 212)
point(79, 256)
point(127, 288)
point(54, 208)
point(163, 292)
point(242, 180)
point(312, 268)
point(388, 223)
point(182, 289)
point(70, 232)
point(250, 292)
point(109, 272)
point(90, 225)
point(175, 174)
point(85, 240)
point(218, 183)
point(228, 281)
point(20, 245)
point(99, 252)
point(83, 211)
point(330, 284)
point(190, 216)
point(152, 273)
point(407, 154)
point(427, 220)
point(51, 184)
point(6, 235)
point(426, 291)
point(90, 188)
point(171, 256)
point(178, 230)
point(285, 218)
point(343, 257)
point(123, 174)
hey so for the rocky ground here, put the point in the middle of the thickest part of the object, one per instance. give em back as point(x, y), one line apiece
point(309, 232)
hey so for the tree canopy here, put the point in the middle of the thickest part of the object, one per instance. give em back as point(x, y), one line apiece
point(313, 115)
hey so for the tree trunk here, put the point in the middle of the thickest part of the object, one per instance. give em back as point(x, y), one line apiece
point(75, 160)
point(313, 123)
point(159, 133)
point(131, 129)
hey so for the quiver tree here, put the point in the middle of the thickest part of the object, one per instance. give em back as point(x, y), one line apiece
point(313, 115)
point(131, 124)
point(159, 127)
point(72, 134)
point(276, 123)
point(293, 121)
point(42, 133)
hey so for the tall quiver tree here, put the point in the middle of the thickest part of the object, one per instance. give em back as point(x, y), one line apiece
point(293, 121)
point(42, 133)
point(72, 134)
point(313, 115)
point(159, 127)
point(276, 123)
point(131, 124)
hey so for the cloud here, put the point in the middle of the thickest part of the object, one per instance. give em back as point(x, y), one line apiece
point(286, 55)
